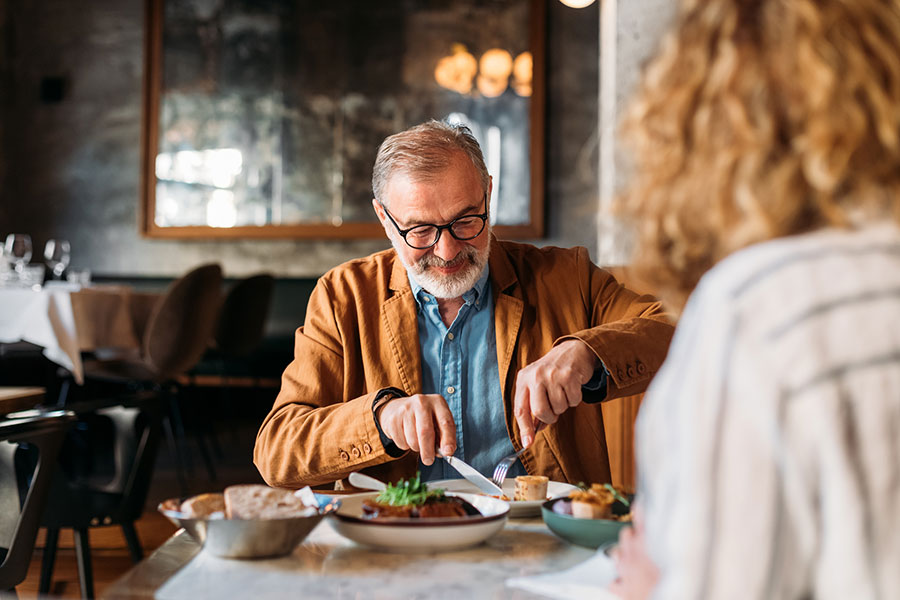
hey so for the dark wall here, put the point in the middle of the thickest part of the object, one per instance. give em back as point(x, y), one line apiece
point(70, 113)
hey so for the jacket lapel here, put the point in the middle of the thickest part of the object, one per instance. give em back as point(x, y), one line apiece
point(507, 313)
point(398, 320)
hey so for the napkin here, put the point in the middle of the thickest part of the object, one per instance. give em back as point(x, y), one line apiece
point(585, 580)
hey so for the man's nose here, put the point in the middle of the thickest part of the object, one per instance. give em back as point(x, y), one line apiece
point(447, 247)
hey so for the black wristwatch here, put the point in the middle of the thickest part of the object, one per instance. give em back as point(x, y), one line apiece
point(380, 398)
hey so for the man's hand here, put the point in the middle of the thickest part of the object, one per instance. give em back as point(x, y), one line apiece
point(551, 385)
point(410, 423)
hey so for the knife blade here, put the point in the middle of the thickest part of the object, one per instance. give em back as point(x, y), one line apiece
point(473, 476)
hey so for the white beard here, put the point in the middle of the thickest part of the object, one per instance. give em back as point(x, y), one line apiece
point(447, 286)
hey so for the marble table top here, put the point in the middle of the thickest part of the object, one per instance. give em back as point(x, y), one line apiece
point(327, 565)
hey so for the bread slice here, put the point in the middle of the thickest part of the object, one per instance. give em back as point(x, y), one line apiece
point(203, 505)
point(531, 487)
point(262, 502)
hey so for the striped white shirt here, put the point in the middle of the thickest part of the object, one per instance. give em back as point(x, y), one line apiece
point(769, 442)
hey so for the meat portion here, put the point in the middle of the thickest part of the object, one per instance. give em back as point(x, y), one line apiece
point(444, 507)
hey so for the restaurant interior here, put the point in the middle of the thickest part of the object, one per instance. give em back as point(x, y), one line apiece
point(163, 159)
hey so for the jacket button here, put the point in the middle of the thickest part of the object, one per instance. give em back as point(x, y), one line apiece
point(355, 452)
point(641, 367)
point(620, 375)
point(344, 455)
point(630, 371)
point(367, 448)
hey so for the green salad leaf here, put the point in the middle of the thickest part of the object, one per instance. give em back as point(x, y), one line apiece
point(405, 492)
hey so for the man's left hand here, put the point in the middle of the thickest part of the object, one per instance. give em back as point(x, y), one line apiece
point(551, 385)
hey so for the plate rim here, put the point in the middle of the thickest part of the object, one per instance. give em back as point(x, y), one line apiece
point(420, 523)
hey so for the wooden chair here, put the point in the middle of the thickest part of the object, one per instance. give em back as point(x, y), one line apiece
point(29, 446)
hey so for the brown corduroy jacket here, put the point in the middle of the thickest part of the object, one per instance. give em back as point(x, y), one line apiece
point(361, 336)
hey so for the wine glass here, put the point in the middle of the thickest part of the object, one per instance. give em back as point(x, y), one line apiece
point(57, 255)
point(18, 250)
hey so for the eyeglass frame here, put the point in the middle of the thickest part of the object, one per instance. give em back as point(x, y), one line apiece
point(440, 228)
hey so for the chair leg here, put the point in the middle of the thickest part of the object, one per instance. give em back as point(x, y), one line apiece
point(83, 557)
point(176, 453)
point(134, 543)
point(48, 560)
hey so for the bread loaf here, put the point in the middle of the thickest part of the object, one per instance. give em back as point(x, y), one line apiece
point(203, 505)
point(262, 502)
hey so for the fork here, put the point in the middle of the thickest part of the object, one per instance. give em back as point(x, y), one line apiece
point(503, 466)
point(505, 463)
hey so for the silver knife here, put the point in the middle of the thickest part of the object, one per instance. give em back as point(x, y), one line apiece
point(474, 477)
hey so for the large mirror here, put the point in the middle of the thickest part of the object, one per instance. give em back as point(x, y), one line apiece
point(262, 117)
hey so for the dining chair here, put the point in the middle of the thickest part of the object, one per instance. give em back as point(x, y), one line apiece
point(242, 320)
point(29, 445)
point(176, 336)
point(103, 478)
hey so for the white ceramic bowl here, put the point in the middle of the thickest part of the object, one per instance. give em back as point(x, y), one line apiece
point(517, 508)
point(420, 535)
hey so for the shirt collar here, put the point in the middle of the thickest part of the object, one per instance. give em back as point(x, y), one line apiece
point(473, 296)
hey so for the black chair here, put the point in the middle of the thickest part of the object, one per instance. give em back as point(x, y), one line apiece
point(104, 476)
point(177, 334)
point(28, 451)
point(242, 320)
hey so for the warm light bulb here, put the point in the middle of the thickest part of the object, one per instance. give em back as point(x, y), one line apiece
point(577, 3)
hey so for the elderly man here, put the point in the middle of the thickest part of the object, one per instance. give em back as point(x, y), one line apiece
point(454, 342)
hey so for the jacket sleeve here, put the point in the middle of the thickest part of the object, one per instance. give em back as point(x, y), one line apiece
point(631, 332)
point(314, 434)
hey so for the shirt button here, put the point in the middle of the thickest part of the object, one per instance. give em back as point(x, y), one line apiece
point(355, 452)
point(450, 336)
point(451, 389)
point(344, 455)
point(367, 448)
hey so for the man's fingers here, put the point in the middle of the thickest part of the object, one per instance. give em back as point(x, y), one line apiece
point(425, 434)
point(522, 412)
point(573, 393)
point(556, 396)
point(540, 405)
point(446, 428)
point(409, 432)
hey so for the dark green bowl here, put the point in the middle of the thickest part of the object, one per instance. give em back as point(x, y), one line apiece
point(591, 533)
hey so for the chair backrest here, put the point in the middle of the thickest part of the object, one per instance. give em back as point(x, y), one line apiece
point(125, 432)
point(20, 513)
point(242, 320)
point(183, 321)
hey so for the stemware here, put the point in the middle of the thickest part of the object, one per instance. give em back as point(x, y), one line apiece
point(57, 254)
point(18, 250)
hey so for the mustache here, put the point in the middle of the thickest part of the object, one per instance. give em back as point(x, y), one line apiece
point(430, 260)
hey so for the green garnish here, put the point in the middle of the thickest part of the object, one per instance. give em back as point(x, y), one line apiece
point(406, 492)
point(617, 495)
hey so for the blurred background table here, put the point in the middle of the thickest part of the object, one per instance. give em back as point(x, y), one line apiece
point(65, 320)
point(13, 399)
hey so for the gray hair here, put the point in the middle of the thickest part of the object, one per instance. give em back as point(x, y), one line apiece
point(424, 151)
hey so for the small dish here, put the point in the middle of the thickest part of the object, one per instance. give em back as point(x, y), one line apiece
point(591, 533)
point(517, 508)
point(238, 538)
point(420, 535)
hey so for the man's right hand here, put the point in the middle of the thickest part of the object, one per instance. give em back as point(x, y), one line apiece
point(410, 423)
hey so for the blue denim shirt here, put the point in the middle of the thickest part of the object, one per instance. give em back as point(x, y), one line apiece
point(460, 363)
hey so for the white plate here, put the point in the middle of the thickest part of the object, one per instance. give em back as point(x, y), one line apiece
point(420, 535)
point(517, 508)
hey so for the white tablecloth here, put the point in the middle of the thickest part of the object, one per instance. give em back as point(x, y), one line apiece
point(44, 318)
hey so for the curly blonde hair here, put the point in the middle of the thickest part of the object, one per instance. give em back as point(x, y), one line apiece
point(761, 119)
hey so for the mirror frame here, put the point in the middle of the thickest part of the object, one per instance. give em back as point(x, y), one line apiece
point(153, 53)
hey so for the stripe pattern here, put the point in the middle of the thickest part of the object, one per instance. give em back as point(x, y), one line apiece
point(769, 443)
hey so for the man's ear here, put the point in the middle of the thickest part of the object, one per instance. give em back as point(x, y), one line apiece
point(379, 212)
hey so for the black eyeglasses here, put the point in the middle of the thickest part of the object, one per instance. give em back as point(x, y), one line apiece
point(424, 236)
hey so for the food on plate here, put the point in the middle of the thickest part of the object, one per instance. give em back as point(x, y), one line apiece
point(249, 502)
point(255, 501)
point(411, 499)
point(600, 501)
point(531, 487)
point(203, 506)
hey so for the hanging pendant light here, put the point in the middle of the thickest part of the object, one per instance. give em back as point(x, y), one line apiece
point(577, 3)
